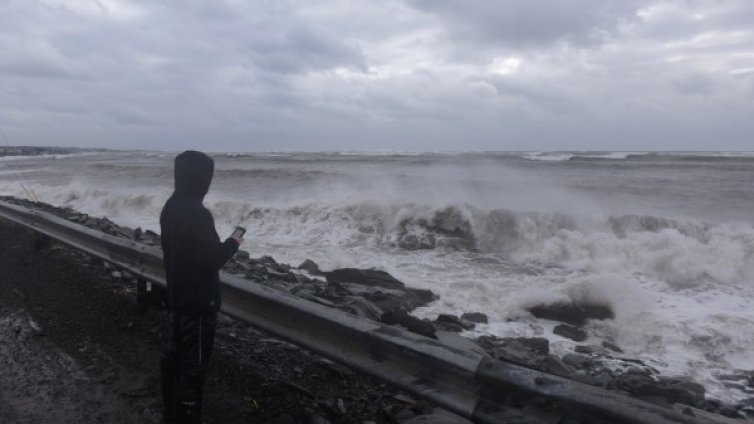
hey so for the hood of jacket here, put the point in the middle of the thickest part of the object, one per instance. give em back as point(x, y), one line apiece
point(193, 174)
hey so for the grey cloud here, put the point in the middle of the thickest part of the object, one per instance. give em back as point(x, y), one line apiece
point(398, 74)
point(525, 23)
point(695, 84)
point(303, 48)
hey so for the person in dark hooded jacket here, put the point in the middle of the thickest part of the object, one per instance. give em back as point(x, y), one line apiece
point(193, 255)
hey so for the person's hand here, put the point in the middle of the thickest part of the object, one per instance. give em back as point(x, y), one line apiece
point(238, 240)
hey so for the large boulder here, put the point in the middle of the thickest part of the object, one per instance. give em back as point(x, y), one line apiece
point(532, 352)
point(475, 317)
point(452, 323)
point(311, 267)
point(364, 277)
point(361, 307)
point(569, 332)
point(572, 313)
point(663, 390)
point(380, 288)
point(409, 322)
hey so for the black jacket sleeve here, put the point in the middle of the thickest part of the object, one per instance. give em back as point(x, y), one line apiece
point(209, 252)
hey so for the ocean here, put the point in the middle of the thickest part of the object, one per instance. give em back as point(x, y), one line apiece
point(666, 239)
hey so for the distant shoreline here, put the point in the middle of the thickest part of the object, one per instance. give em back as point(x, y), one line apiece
point(37, 150)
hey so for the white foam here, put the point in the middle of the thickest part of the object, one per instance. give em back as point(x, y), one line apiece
point(548, 156)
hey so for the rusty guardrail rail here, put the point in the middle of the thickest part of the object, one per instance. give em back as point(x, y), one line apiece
point(470, 384)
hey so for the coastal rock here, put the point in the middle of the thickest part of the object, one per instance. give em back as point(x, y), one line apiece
point(311, 267)
point(410, 323)
point(379, 287)
point(578, 361)
point(569, 332)
point(553, 365)
point(447, 322)
point(610, 346)
point(572, 313)
point(529, 351)
point(423, 295)
point(362, 307)
point(365, 277)
point(591, 350)
point(414, 242)
point(668, 390)
point(267, 261)
point(475, 317)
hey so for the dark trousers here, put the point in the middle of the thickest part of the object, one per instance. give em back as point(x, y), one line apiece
point(184, 367)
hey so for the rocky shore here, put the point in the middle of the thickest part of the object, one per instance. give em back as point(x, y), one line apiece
point(343, 396)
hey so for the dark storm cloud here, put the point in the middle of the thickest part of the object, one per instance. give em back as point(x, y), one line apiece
point(395, 74)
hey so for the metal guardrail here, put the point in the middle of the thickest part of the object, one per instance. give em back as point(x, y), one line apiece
point(470, 384)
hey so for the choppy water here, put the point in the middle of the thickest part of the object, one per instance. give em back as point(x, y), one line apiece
point(666, 239)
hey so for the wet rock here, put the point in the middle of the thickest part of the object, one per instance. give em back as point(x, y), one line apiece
point(591, 350)
point(300, 278)
point(475, 317)
point(365, 277)
point(538, 345)
point(410, 323)
point(267, 260)
point(127, 233)
point(553, 365)
point(669, 390)
point(273, 272)
point(423, 295)
point(414, 242)
point(532, 352)
point(572, 313)
point(311, 267)
point(603, 377)
point(610, 346)
point(362, 307)
point(447, 322)
point(388, 300)
point(569, 332)
point(578, 361)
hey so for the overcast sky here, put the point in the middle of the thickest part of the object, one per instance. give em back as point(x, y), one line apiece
point(379, 75)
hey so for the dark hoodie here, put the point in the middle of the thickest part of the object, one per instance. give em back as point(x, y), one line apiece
point(192, 251)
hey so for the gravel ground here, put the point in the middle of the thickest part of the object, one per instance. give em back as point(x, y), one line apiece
point(75, 350)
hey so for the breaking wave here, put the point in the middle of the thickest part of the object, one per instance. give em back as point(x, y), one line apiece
point(684, 253)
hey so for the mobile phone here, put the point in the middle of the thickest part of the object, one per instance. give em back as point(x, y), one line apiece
point(238, 232)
